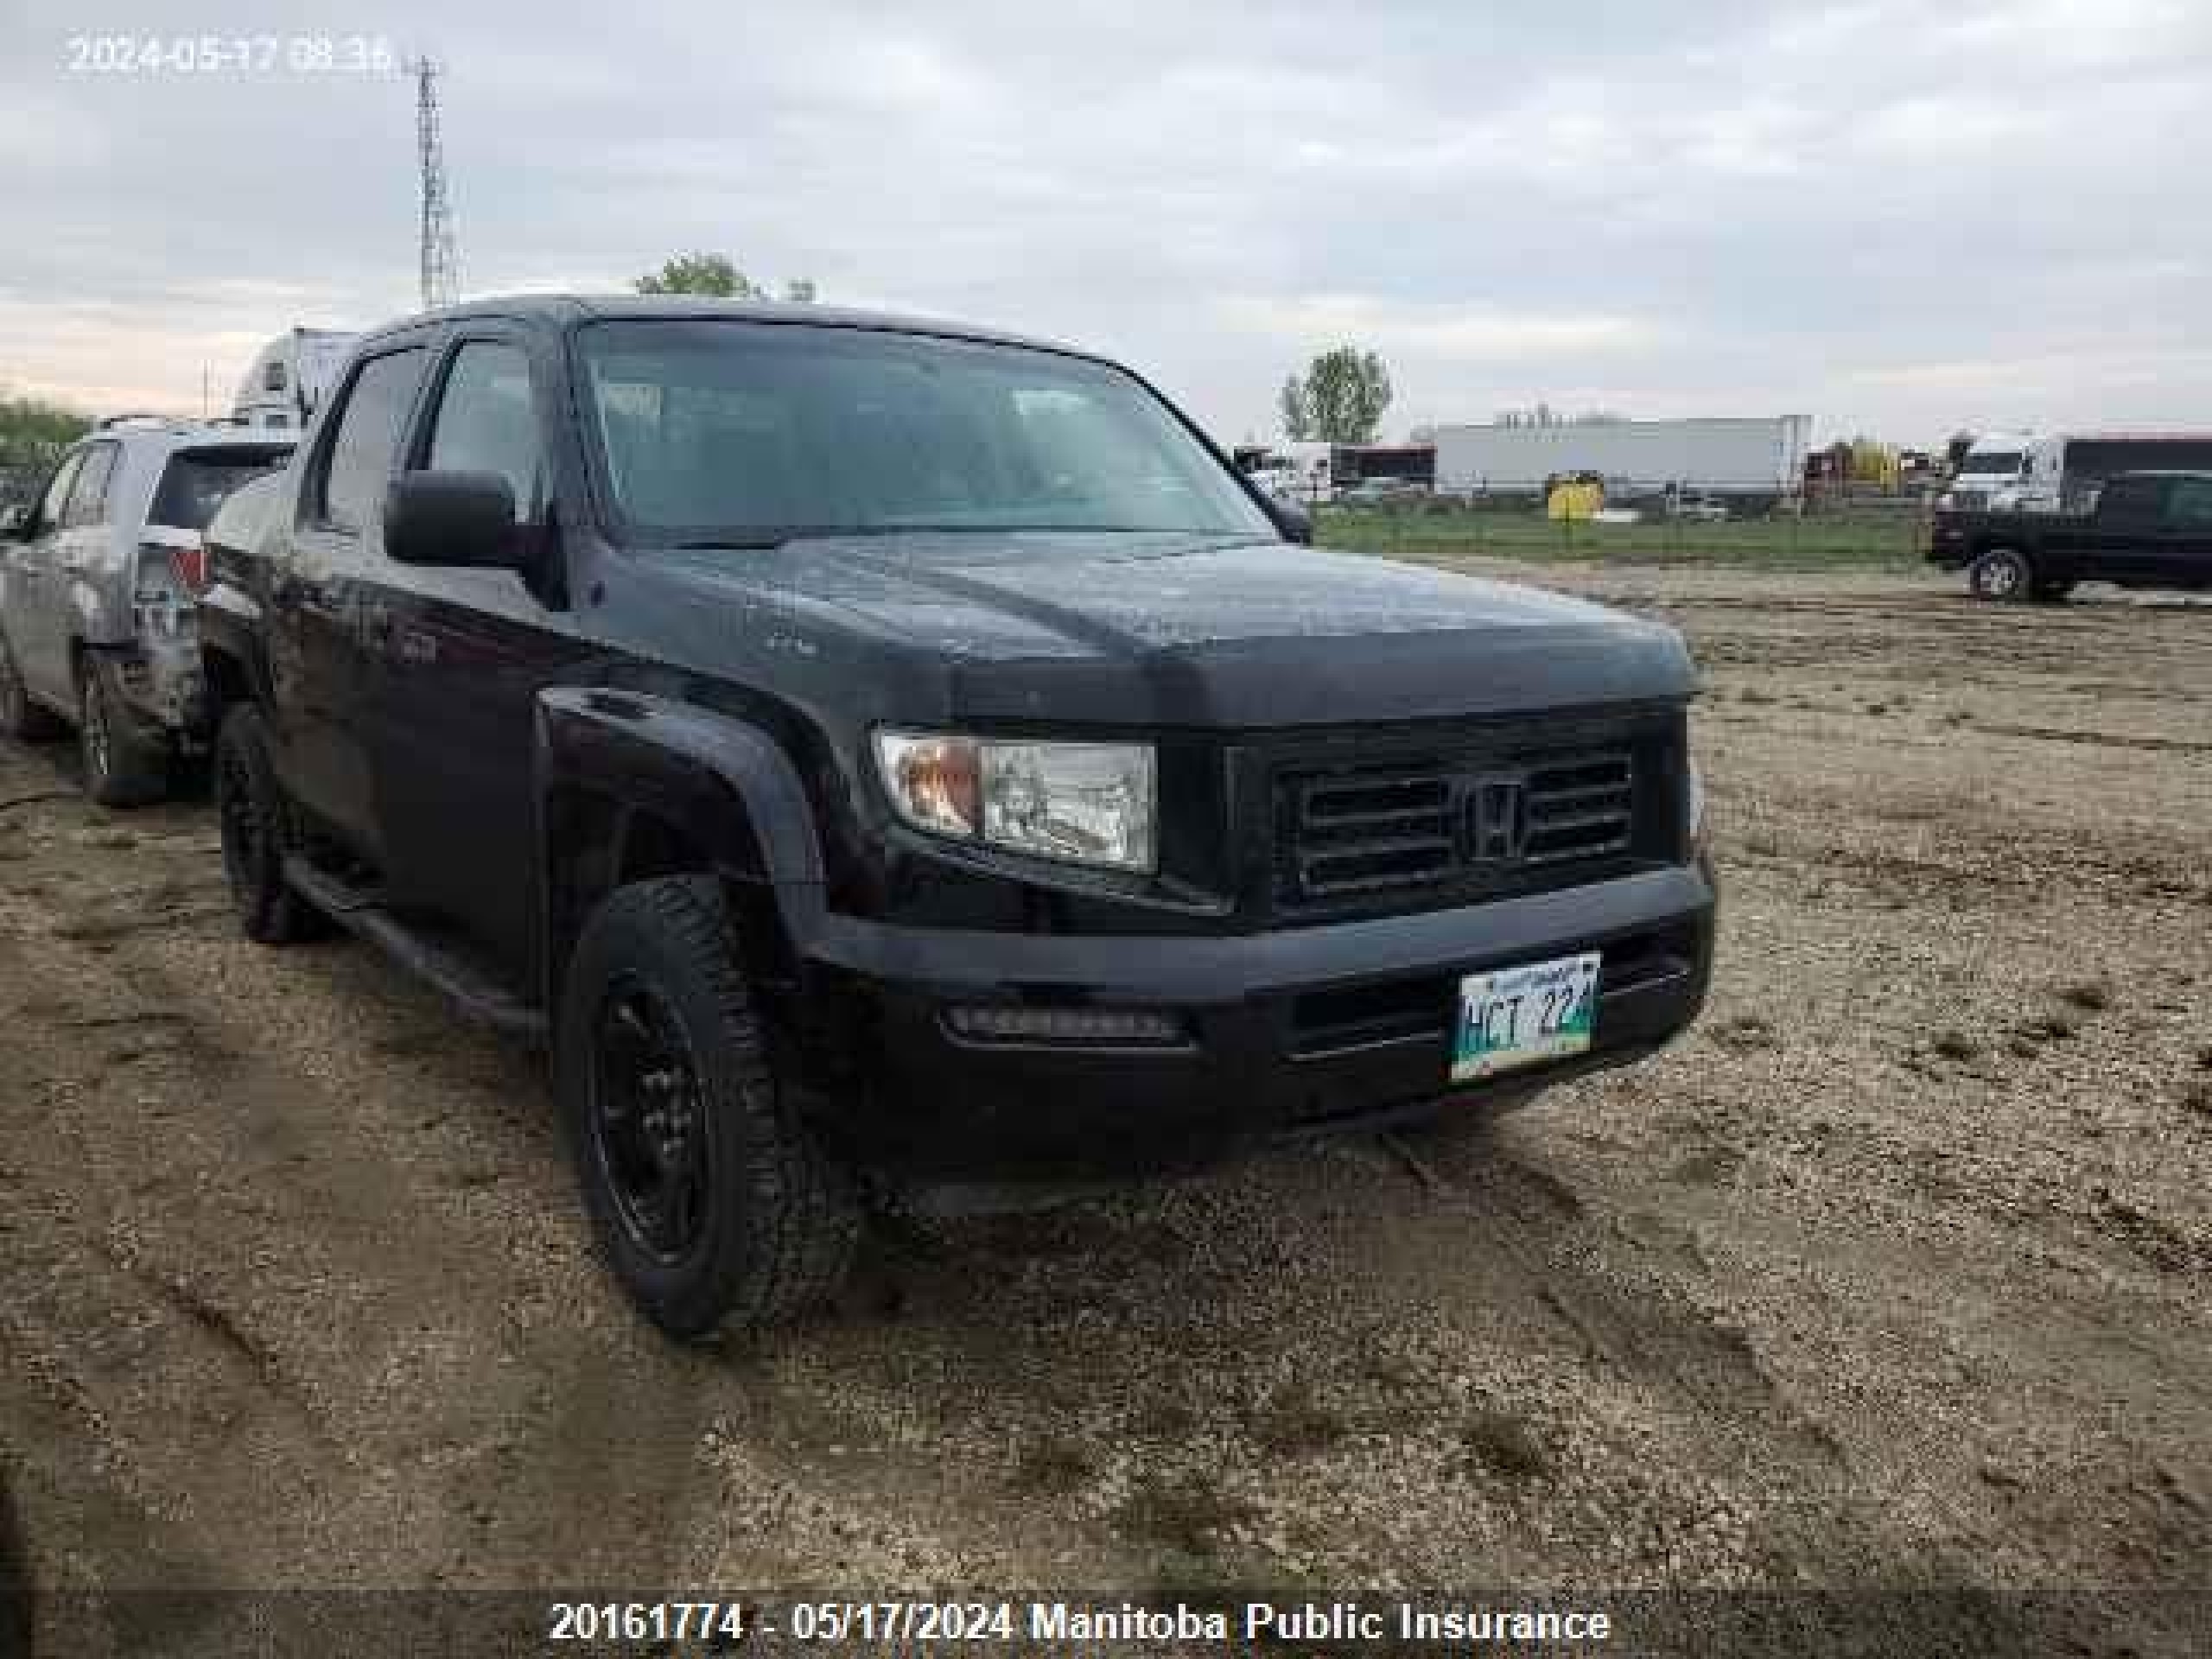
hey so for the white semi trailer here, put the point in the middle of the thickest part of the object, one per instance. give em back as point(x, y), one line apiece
point(1761, 458)
point(291, 375)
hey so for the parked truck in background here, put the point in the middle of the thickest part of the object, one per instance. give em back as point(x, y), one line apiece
point(2062, 472)
point(1750, 462)
point(289, 376)
point(1990, 475)
point(2146, 530)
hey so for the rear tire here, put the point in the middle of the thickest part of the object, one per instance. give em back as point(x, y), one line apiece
point(2003, 574)
point(21, 716)
point(121, 767)
point(256, 823)
point(712, 1202)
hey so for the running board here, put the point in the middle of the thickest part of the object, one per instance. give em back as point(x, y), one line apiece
point(476, 991)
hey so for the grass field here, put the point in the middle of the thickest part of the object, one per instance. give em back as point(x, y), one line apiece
point(1856, 541)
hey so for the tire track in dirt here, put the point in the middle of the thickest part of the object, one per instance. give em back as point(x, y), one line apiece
point(361, 1210)
point(245, 1263)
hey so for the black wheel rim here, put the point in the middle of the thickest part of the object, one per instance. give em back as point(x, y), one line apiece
point(649, 1121)
point(244, 831)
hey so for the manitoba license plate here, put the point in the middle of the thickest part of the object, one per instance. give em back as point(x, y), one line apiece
point(1518, 1016)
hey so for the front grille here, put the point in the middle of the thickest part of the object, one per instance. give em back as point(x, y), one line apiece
point(1510, 812)
point(1367, 831)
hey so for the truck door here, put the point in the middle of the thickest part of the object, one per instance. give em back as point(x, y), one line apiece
point(31, 605)
point(459, 658)
point(317, 645)
point(2127, 530)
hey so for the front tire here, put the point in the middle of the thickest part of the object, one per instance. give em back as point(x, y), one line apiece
point(255, 821)
point(121, 767)
point(21, 716)
point(711, 1200)
point(2003, 574)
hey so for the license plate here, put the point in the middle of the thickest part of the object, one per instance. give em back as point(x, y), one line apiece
point(1512, 1017)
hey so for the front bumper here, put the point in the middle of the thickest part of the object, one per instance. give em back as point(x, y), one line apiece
point(1303, 1031)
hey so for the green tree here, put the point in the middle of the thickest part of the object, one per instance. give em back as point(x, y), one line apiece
point(717, 276)
point(1340, 398)
point(33, 434)
point(711, 274)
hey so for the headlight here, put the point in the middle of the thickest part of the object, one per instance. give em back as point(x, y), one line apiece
point(1079, 803)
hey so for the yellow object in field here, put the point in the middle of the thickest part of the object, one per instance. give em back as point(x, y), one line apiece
point(1574, 500)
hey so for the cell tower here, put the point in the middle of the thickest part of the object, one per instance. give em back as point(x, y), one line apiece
point(441, 264)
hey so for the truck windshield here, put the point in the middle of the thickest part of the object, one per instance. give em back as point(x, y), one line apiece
point(1987, 463)
point(712, 430)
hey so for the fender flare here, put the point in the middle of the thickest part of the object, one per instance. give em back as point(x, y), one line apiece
point(727, 782)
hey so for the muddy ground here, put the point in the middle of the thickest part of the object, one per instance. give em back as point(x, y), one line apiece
point(1892, 1276)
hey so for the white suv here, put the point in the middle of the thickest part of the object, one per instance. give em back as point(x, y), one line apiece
point(98, 586)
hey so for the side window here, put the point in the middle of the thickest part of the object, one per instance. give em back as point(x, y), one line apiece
point(349, 495)
point(88, 495)
point(2190, 506)
point(486, 423)
point(57, 490)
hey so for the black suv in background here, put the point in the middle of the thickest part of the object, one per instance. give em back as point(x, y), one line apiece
point(879, 755)
point(2146, 529)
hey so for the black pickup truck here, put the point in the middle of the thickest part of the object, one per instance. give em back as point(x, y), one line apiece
point(878, 756)
point(2147, 530)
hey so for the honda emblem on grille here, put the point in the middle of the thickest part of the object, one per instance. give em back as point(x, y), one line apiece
point(1497, 818)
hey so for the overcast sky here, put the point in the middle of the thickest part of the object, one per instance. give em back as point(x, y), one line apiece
point(1901, 219)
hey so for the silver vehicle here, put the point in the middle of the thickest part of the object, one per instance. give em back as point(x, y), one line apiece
point(97, 585)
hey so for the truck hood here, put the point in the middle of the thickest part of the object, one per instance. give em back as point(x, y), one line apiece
point(1191, 631)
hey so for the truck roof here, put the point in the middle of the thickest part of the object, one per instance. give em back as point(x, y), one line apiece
point(563, 310)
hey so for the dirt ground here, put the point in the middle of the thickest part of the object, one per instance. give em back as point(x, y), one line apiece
point(1891, 1278)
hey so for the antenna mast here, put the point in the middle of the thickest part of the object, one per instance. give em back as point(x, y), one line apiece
point(441, 264)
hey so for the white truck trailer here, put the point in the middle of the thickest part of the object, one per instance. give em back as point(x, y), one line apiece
point(289, 376)
point(1751, 461)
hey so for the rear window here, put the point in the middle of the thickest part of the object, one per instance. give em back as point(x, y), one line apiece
point(197, 481)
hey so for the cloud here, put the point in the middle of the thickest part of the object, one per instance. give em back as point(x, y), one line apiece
point(1866, 211)
point(1435, 330)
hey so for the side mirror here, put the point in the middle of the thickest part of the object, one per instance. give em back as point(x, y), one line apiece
point(454, 518)
point(1293, 521)
point(15, 520)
